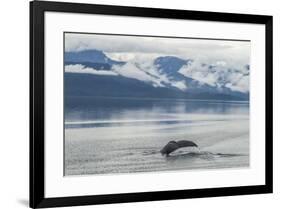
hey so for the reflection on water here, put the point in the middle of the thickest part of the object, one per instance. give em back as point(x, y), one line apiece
point(111, 135)
point(114, 109)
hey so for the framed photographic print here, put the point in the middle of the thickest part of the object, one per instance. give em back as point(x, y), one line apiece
point(133, 104)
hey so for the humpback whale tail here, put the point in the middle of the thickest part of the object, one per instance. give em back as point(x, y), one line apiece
point(174, 145)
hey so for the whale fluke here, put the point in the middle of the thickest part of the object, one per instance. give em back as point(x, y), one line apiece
point(174, 145)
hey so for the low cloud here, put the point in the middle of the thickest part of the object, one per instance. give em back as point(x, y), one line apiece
point(82, 69)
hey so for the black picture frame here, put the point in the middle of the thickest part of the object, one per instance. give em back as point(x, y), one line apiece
point(37, 101)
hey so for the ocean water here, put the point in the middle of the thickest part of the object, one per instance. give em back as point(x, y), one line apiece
point(113, 135)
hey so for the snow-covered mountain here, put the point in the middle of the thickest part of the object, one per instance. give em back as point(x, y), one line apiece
point(219, 75)
point(186, 78)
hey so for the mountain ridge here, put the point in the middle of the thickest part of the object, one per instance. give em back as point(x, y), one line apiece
point(165, 73)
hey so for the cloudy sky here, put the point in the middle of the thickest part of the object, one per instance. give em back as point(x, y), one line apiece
point(126, 48)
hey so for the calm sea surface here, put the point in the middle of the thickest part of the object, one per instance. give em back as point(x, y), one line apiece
point(113, 135)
